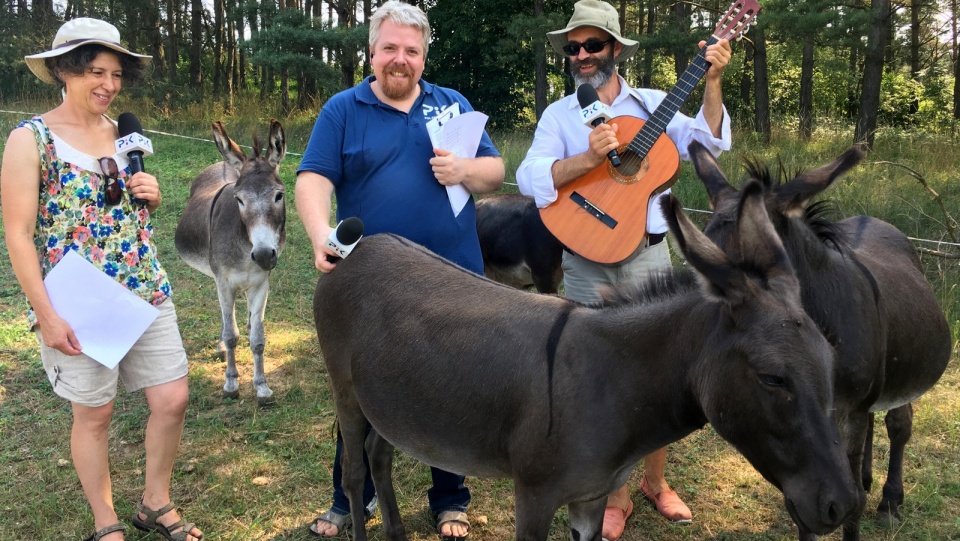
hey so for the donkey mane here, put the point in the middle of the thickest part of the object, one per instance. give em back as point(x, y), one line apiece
point(660, 285)
point(817, 215)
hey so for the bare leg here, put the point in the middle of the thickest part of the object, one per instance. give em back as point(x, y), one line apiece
point(655, 488)
point(654, 466)
point(168, 405)
point(89, 444)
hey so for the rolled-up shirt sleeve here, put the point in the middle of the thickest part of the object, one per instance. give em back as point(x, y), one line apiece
point(535, 174)
point(684, 130)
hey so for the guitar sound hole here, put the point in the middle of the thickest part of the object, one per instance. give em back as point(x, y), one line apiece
point(631, 166)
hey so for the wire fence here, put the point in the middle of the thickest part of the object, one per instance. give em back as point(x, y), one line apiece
point(938, 251)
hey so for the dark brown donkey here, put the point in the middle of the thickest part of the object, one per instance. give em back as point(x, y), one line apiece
point(861, 282)
point(478, 378)
point(233, 230)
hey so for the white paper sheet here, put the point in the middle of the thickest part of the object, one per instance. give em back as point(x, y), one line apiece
point(460, 134)
point(106, 317)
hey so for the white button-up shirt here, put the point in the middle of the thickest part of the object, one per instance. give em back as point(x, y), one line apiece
point(561, 134)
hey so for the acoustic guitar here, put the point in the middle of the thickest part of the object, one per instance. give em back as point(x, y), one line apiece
point(602, 215)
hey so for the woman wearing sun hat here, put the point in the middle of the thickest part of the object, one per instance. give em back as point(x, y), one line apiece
point(63, 189)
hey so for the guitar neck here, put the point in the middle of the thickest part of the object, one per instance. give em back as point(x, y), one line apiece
point(657, 123)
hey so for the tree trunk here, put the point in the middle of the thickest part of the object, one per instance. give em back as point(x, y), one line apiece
point(915, 29)
point(196, 44)
point(682, 22)
point(761, 90)
point(853, 90)
point(218, 71)
point(540, 63)
point(956, 60)
point(646, 77)
point(150, 17)
point(173, 50)
point(806, 89)
point(746, 75)
point(873, 73)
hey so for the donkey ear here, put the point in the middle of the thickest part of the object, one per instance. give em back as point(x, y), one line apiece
point(718, 277)
point(231, 152)
point(277, 146)
point(710, 174)
point(761, 249)
point(793, 196)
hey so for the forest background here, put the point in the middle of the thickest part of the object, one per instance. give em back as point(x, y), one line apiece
point(874, 63)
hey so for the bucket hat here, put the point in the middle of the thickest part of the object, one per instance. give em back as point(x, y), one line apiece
point(600, 15)
point(74, 33)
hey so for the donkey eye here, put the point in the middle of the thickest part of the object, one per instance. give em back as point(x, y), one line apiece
point(239, 201)
point(772, 381)
point(278, 197)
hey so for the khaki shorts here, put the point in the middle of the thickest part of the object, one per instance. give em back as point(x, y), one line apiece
point(157, 357)
point(582, 277)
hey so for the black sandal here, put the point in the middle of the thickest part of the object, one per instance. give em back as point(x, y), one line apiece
point(150, 524)
point(100, 534)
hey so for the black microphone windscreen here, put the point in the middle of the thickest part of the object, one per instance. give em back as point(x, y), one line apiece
point(350, 230)
point(128, 123)
point(587, 95)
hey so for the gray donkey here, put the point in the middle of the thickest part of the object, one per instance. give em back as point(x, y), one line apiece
point(481, 379)
point(233, 230)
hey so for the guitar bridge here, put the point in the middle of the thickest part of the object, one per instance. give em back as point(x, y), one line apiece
point(593, 210)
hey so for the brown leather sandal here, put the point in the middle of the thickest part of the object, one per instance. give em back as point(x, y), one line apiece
point(150, 524)
point(100, 534)
point(452, 516)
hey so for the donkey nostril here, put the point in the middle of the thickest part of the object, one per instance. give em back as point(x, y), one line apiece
point(832, 514)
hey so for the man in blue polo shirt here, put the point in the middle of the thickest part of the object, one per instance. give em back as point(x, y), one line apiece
point(371, 148)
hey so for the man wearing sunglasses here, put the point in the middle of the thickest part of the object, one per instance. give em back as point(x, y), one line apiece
point(564, 149)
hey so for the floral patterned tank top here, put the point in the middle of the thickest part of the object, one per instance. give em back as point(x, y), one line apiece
point(73, 215)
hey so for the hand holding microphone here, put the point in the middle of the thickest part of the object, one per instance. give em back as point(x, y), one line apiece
point(594, 112)
point(344, 237)
point(133, 144)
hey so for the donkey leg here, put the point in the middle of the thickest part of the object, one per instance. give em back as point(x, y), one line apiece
point(586, 519)
point(854, 434)
point(380, 455)
point(229, 332)
point(866, 469)
point(533, 512)
point(353, 430)
point(257, 303)
point(899, 423)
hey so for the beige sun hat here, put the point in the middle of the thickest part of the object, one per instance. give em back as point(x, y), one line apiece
point(74, 33)
point(600, 15)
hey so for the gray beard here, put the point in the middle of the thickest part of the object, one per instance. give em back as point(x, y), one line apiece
point(603, 74)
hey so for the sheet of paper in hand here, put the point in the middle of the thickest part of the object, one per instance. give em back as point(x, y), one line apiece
point(460, 134)
point(106, 317)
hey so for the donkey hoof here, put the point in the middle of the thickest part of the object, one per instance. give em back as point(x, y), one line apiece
point(266, 401)
point(233, 395)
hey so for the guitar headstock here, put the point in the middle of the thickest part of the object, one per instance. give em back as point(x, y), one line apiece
point(736, 21)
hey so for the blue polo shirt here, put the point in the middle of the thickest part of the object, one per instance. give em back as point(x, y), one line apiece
point(378, 159)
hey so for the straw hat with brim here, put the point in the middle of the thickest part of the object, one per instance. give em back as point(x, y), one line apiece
point(74, 33)
point(599, 15)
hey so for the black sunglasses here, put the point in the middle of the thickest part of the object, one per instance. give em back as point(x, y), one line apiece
point(111, 175)
point(593, 46)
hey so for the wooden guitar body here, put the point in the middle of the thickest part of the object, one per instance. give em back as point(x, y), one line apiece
point(602, 215)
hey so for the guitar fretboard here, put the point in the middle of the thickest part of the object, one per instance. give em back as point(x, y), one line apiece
point(657, 123)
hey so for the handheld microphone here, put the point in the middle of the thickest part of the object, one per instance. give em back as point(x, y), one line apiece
point(133, 143)
point(594, 112)
point(344, 237)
